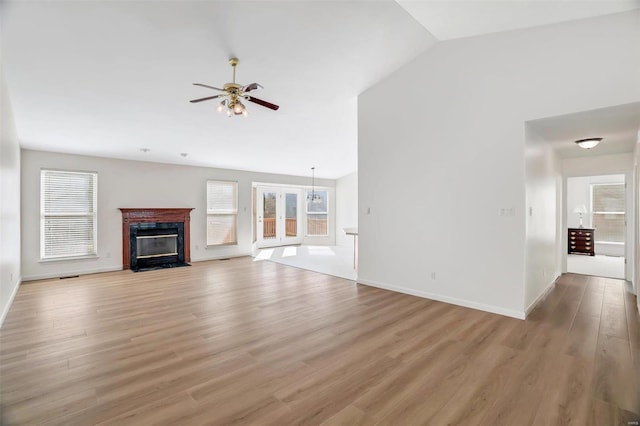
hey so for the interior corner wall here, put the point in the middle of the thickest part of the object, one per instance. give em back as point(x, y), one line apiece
point(10, 268)
point(124, 183)
point(441, 188)
point(543, 181)
point(346, 208)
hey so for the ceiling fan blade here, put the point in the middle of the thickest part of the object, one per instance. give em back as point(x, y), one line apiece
point(263, 103)
point(210, 87)
point(205, 99)
point(250, 87)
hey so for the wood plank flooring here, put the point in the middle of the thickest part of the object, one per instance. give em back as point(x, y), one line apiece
point(245, 342)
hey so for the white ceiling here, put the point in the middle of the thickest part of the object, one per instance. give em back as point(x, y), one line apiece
point(618, 126)
point(108, 78)
point(459, 18)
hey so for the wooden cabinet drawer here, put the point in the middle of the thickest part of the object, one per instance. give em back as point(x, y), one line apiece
point(581, 241)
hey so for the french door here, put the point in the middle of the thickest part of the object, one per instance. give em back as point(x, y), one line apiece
point(278, 217)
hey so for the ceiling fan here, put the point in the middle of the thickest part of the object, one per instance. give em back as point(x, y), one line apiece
point(233, 93)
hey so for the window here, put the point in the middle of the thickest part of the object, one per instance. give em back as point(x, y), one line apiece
point(317, 214)
point(222, 212)
point(608, 207)
point(68, 214)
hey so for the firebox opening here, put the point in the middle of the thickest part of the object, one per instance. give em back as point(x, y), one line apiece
point(157, 245)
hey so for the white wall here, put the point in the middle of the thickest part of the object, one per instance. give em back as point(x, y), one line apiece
point(346, 207)
point(123, 183)
point(438, 168)
point(602, 165)
point(598, 165)
point(579, 193)
point(635, 240)
point(543, 180)
point(10, 270)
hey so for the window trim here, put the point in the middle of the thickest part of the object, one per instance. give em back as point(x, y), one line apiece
point(94, 215)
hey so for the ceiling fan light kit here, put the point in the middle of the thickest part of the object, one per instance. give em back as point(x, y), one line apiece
point(233, 95)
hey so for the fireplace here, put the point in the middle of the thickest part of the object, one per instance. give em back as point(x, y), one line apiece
point(155, 238)
point(154, 245)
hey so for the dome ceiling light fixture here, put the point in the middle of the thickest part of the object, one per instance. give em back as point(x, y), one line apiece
point(588, 143)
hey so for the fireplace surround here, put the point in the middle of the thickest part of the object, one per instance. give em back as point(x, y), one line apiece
point(155, 238)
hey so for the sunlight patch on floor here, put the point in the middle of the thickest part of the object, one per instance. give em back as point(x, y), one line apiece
point(289, 251)
point(330, 260)
point(264, 254)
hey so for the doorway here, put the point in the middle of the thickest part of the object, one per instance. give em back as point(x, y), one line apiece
point(596, 219)
point(278, 216)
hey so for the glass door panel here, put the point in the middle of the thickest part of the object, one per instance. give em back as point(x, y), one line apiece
point(269, 200)
point(291, 215)
point(278, 219)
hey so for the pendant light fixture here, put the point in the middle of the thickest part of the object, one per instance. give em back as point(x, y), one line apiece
point(313, 197)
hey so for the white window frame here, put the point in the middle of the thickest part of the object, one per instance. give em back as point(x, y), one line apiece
point(211, 213)
point(46, 215)
point(593, 213)
point(307, 213)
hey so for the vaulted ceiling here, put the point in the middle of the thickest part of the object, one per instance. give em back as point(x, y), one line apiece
point(109, 78)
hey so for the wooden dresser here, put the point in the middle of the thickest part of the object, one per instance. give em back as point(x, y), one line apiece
point(581, 241)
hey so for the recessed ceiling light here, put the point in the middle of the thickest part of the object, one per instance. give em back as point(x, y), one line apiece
point(588, 143)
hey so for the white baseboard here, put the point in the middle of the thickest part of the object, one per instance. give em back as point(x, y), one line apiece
point(229, 256)
point(70, 273)
point(115, 268)
point(446, 299)
point(541, 296)
point(5, 310)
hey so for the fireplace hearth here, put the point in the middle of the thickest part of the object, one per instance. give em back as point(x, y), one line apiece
point(155, 238)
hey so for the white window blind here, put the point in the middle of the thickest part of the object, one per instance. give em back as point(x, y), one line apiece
point(318, 213)
point(222, 212)
point(68, 214)
point(608, 207)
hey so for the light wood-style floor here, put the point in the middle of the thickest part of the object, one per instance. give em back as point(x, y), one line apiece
point(243, 342)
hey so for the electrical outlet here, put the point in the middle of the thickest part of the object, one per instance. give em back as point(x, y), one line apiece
point(433, 275)
point(197, 247)
point(108, 255)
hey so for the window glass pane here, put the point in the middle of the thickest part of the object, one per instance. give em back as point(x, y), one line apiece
point(222, 197)
point(222, 212)
point(67, 236)
point(291, 206)
point(609, 227)
point(221, 229)
point(608, 216)
point(319, 204)
point(291, 215)
point(317, 224)
point(269, 205)
point(608, 198)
